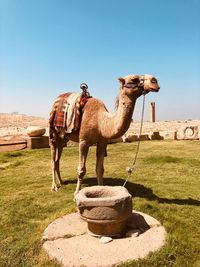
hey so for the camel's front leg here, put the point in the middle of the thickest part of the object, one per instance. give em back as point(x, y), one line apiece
point(81, 170)
point(101, 153)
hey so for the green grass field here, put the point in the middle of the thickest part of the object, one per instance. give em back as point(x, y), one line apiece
point(165, 185)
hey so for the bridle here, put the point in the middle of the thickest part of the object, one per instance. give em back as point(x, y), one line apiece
point(140, 85)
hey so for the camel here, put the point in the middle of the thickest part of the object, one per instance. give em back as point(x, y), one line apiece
point(98, 126)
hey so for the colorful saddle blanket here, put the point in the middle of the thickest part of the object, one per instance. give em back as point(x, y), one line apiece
point(66, 112)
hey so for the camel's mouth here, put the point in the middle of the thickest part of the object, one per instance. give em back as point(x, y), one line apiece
point(156, 90)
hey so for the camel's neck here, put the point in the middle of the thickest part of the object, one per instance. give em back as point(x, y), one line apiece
point(115, 125)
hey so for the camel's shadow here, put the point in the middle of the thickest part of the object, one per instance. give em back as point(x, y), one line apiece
point(138, 190)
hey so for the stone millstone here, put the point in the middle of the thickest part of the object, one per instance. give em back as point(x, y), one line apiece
point(105, 208)
point(66, 240)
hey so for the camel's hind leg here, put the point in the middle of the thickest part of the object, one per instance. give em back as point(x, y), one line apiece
point(56, 152)
point(101, 153)
point(81, 170)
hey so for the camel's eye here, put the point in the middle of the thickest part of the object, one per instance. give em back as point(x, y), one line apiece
point(135, 80)
point(153, 80)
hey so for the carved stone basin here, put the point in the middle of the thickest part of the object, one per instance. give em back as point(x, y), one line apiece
point(105, 208)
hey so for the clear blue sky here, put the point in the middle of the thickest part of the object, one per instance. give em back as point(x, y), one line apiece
point(50, 46)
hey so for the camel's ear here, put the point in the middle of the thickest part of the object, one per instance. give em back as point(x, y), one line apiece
point(121, 80)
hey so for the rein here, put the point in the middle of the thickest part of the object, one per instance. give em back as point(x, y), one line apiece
point(130, 169)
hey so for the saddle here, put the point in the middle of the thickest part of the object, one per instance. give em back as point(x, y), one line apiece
point(66, 112)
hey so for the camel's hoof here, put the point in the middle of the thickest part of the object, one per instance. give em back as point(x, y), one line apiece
point(54, 189)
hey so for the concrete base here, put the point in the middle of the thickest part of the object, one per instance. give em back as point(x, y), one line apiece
point(38, 142)
point(66, 240)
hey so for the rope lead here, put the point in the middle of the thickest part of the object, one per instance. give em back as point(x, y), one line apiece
point(129, 169)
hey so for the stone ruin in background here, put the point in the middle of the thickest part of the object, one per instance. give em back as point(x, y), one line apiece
point(36, 138)
point(186, 133)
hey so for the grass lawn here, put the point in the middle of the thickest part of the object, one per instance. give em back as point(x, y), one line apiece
point(165, 185)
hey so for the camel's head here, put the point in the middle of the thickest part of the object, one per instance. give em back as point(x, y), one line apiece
point(141, 84)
